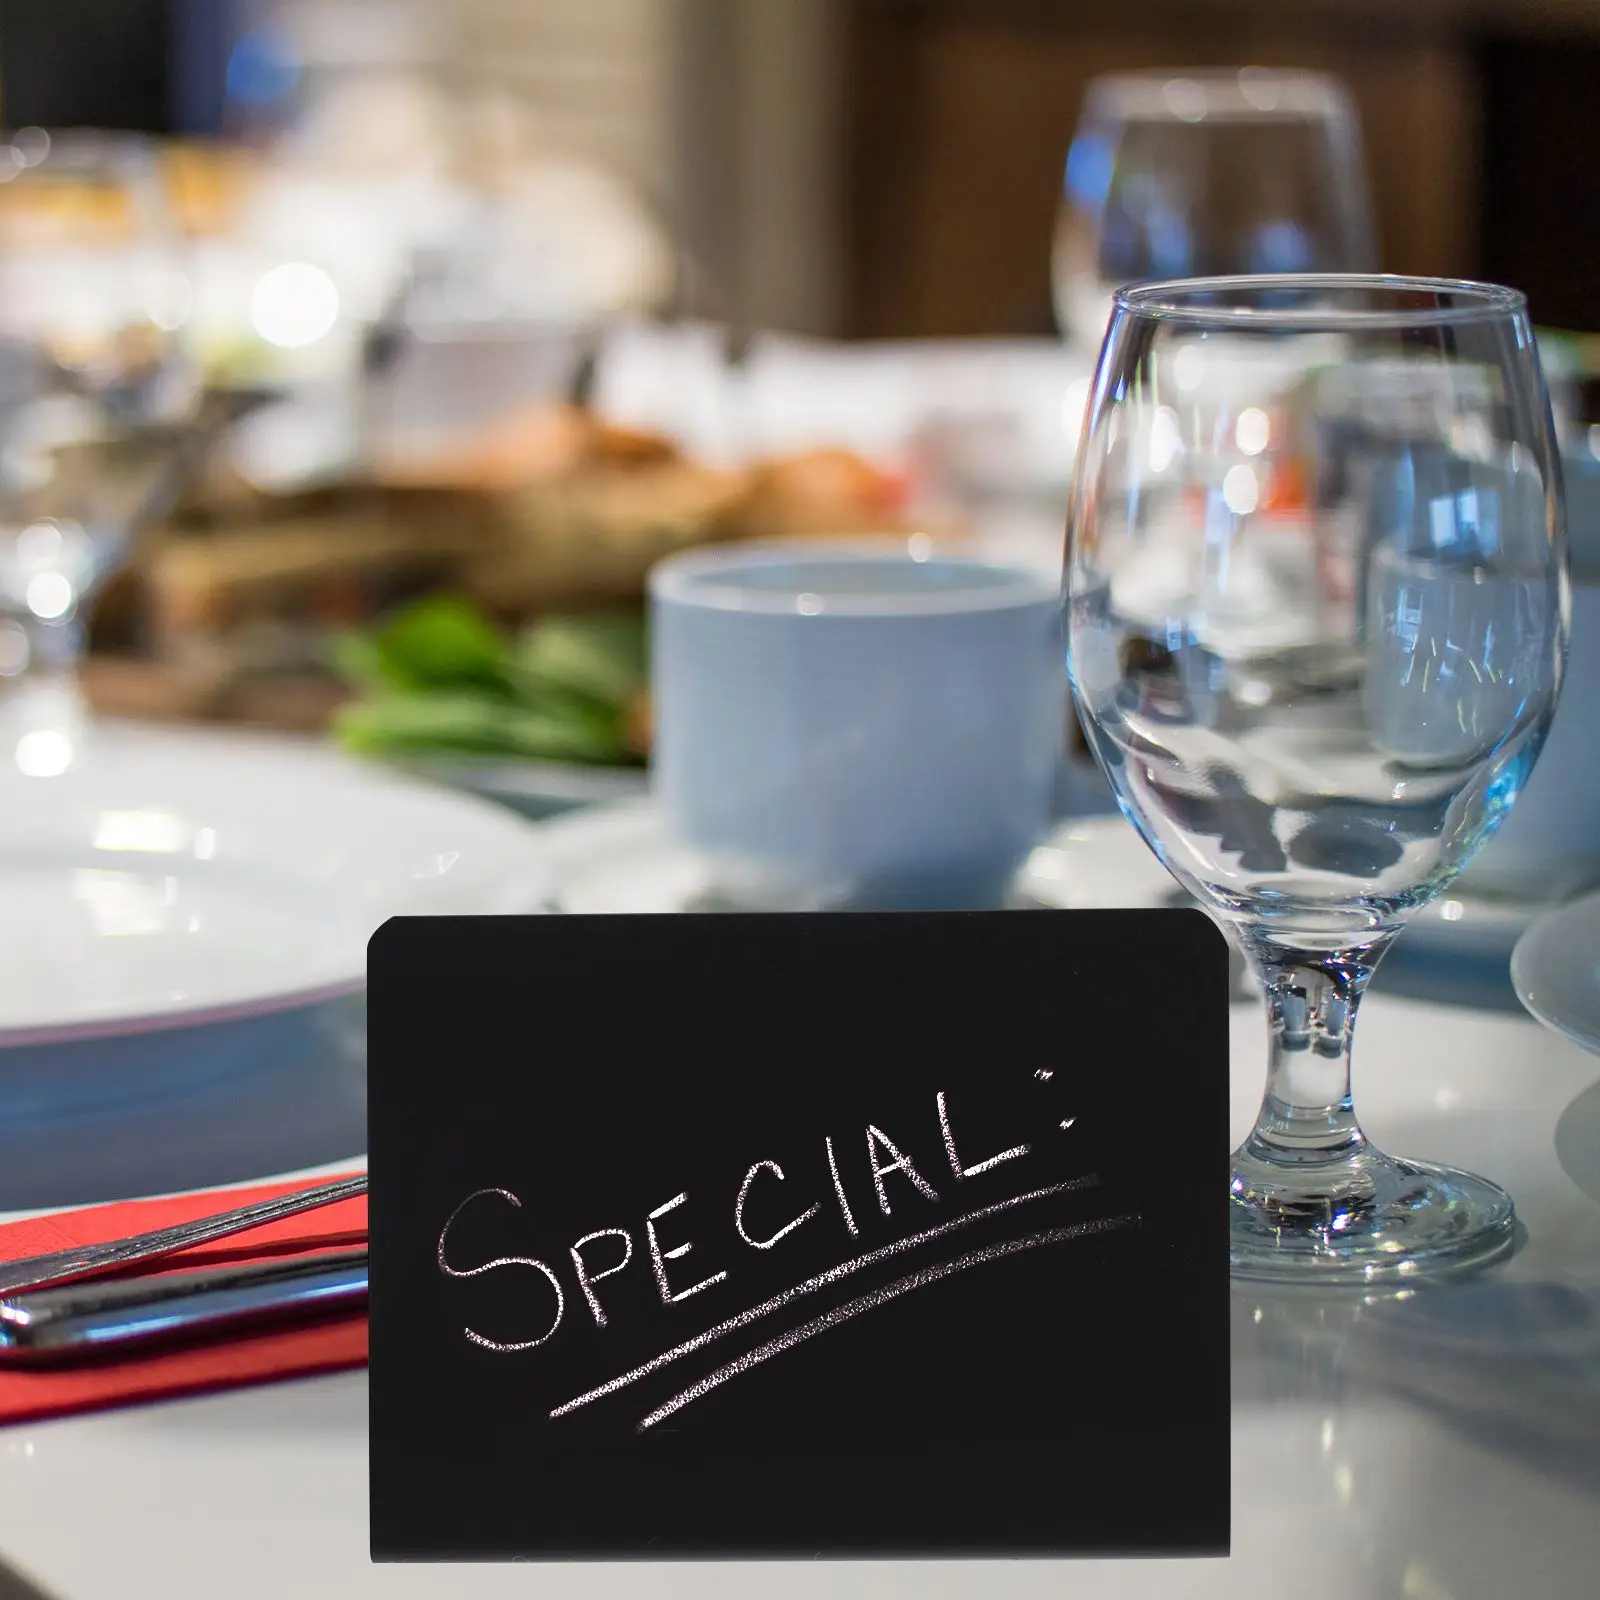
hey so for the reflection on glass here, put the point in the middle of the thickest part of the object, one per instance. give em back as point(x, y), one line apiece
point(1318, 610)
point(1242, 171)
point(95, 391)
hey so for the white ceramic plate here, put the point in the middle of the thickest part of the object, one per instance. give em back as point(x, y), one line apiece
point(1555, 969)
point(103, 1119)
point(151, 878)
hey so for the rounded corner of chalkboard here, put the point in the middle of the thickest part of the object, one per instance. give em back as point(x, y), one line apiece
point(384, 935)
point(1198, 919)
point(1202, 928)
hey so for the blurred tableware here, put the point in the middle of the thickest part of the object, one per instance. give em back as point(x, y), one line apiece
point(98, 1119)
point(1573, 365)
point(96, 1321)
point(449, 382)
point(1455, 952)
point(1100, 863)
point(610, 854)
point(1556, 970)
point(673, 379)
point(1175, 174)
point(842, 727)
point(1562, 356)
point(1315, 699)
point(1581, 475)
point(152, 878)
point(269, 1355)
point(1005, 413)
point(97, 395)
point(624, 859)
point(1548, 849)
point(1095, 864)
point(113, 1255)
point(548, 240)
point(534, 789)
point(992, 419)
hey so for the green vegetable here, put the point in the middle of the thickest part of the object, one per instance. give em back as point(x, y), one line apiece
point(440, 677)
point(601, 657)
point(437, 643)
point(452, 723)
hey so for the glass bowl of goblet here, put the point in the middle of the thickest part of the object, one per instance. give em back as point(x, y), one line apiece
point(1317, 616)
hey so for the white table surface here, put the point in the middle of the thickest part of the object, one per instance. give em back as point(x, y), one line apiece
point(1443, 1448)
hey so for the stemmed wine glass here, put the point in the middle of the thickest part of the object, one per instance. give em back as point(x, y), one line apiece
point(98, 401)
point(1317, 609)
point(1195, 174)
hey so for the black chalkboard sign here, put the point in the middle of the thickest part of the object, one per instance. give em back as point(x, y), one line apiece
point(845, 1235)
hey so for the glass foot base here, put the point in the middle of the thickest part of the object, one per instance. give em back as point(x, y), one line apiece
point(1369, 1219)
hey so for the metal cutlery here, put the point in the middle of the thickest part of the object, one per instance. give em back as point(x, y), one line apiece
point(91, 1260)
point(82, 1320)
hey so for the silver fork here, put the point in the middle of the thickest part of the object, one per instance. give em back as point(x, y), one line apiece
point(87, 1261)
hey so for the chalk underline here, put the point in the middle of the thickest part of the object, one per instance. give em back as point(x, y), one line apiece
point(845, 1269)
point(870, 1302)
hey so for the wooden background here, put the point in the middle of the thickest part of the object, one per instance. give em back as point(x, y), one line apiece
point(880, 167)
point(1479, 122)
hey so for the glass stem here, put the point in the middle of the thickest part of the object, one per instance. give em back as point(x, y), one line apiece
point(1306, 1118)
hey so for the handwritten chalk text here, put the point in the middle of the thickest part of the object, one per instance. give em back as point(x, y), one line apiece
point(761, 1221)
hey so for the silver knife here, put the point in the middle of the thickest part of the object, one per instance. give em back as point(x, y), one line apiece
point(124, 1315)
point(83, 1261)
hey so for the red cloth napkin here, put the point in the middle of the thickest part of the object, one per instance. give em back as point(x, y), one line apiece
point(219, 1364)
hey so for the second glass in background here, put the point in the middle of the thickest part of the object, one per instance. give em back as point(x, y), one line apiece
point(1177, 175)
point(97, 392)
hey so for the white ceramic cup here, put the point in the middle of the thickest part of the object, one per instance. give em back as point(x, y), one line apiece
point(1548, 848)
point(850, 725)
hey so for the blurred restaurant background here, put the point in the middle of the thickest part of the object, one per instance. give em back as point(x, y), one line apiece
point(400, 403)
point(365, 364)
point(868, 168)
point(506, 299)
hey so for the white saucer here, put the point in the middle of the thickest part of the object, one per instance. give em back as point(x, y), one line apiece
point(1556, 971)
point(535, 789)
point(155, 878)
point(1461, 927)
point(620, 858)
